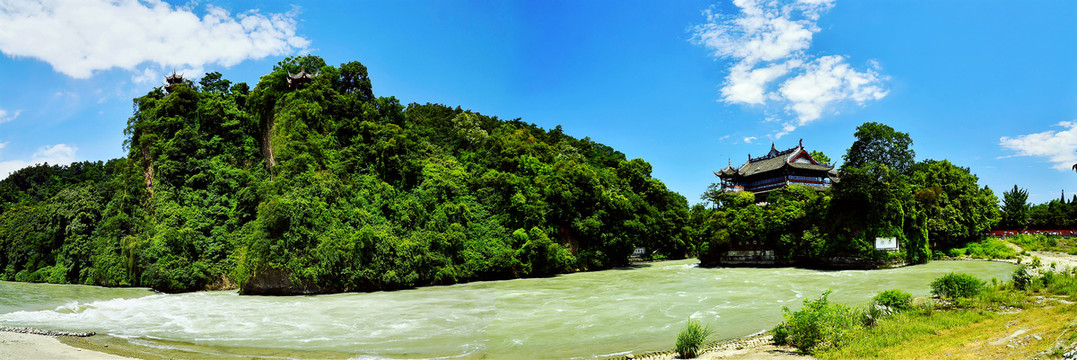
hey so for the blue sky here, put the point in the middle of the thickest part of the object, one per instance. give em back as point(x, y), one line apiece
point(685, 85)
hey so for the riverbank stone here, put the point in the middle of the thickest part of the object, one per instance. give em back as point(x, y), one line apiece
point(33, 331)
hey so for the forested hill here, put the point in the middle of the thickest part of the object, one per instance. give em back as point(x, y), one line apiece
point(324, 188)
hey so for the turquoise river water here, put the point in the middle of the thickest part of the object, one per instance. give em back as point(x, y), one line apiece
point(583, 315)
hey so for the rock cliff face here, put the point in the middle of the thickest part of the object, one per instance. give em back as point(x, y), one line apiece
point(277, 282)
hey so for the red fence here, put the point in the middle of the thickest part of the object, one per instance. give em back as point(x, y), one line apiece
point(1008, 233)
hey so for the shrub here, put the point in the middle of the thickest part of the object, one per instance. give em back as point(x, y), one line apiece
point(1038, 242)
point(1061, 283)
point(1022, 278)
point(819, 326)
point(955, 285)
point(894, 299)
point(691, 339)
point(990, 249)
point(986, 249)
point(872, 314)
point(1000, 295)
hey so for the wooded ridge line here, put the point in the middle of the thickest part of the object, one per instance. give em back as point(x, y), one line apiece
point(309, 183)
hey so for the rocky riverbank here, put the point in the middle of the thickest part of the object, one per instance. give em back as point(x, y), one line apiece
point(758, 346)
point(29, 343)
point(32, 331)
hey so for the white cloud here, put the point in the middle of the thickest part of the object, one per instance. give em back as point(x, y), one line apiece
point(825, 81)
point(67, 94)
point(5, 117)
point(765, 30)
point(59, 154)
point(768, 41)
point(1058, 147)
point(747, 85)
point(80, 38)
point(146, 76)
point(748, 140)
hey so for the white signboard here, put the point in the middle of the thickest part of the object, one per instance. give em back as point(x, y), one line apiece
point(887, 243)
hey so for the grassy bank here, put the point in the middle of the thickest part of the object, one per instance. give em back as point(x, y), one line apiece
point(1013, 247)
point(988, 249)
point(1043, 332)
point(1031, 316)
point(1039, 242)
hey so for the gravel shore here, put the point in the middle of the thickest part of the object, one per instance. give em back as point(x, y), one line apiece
point(758, 346)
point(27, 343)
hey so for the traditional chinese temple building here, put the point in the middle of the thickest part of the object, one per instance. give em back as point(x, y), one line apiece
point(171, 81)
point(778, 169)
point(299, 80)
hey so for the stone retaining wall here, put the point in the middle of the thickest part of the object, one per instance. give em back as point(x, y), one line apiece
point(750, 258)
point(765, 258)
point(746, 342)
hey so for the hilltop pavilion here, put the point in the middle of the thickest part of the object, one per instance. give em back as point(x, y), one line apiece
point(778, 169)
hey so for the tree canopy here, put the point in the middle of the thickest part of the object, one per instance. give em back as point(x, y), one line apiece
point(820, 156)
point(326, 187)
point(882, 145)
point(957, 209)
point(1015, 209)
point(882, 192)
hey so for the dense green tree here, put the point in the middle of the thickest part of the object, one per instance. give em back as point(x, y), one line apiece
point(1052, 215)
point(213, 82)
point(1015, 209)
point(874, 197)
point(957, 209)
point(870, 201)
point(820, 156)
point(882, 193)
point(880, 144)
point(323, 187)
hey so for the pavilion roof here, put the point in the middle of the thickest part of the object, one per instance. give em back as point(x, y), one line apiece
point(302, 74)
point(775, 160)
point(174, 78)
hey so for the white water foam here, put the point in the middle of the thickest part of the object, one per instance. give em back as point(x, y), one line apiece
point(562, 317)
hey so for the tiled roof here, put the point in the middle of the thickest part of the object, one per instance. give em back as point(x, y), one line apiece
point(302, 74)
point(774, 160)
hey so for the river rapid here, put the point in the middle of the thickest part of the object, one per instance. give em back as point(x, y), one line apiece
point(581, 315)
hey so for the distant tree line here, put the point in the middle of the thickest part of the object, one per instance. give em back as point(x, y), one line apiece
point(325, 187)
point(1019, 214)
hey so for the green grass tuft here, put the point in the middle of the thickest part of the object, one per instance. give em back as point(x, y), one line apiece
point(820, 325)
point(692, 338)
point(894, 299)
point(987, 249)
point(956, 285)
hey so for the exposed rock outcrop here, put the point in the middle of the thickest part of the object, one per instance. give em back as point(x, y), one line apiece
point(277, 282)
